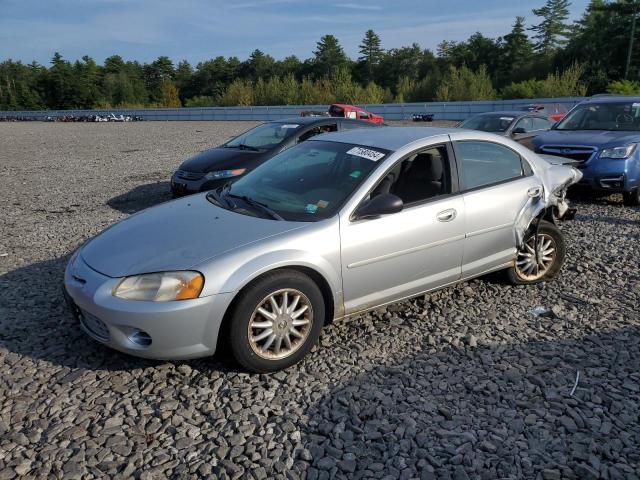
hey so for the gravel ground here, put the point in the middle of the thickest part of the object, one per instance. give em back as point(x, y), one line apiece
point(463, 383)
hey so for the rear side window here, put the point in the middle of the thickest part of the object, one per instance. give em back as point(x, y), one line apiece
point(486, 163)
point(541, 124)
point(525, 123)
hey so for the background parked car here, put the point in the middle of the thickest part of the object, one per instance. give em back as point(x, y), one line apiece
point(602, 135)
point(345, 111)
point(215, 167)
point(520, 126)
point(554, 111)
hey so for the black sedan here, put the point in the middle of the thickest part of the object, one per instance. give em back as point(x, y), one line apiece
point(213, 168)
point(520, 126)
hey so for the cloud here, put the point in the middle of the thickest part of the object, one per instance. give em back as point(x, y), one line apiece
point(355, 6)
point(261, 3)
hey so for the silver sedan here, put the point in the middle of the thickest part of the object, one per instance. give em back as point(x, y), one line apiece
point(335, 226)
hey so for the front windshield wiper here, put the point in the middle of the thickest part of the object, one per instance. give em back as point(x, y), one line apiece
point(256, 204)
point(243, 146)
point(219, 198)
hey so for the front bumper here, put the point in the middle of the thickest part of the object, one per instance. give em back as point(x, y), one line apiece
point(160, 330)
point(181, 186)
point(607, 176)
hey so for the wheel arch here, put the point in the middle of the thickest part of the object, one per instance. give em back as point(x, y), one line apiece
point(314, 274)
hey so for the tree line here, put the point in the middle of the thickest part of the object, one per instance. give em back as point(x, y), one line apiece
point(550, 58)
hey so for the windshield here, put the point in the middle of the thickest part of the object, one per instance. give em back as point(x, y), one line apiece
point(265, 136)
point(310, 181)
point(488, 123)
point(620, 116)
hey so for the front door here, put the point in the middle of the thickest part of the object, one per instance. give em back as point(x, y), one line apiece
point(406, 253)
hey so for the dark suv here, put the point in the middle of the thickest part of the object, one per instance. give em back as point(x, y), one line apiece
point(602, 135)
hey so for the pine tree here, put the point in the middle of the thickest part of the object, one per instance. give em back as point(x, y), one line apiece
point(329, 56)
point(371, 53)
point(517, 52)
point(552, 32)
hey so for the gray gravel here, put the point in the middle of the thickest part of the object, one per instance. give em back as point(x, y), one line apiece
point(463, 383)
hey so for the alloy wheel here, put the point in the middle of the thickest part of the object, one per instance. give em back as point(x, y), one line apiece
point(280, 324)
point(531, 267)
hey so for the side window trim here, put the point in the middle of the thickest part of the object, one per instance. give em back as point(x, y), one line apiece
point(527, 170)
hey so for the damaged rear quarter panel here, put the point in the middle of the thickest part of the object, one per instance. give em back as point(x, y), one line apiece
point(556, 177)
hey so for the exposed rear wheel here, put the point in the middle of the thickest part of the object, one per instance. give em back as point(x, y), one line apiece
point(276, 321)
point(531, 267)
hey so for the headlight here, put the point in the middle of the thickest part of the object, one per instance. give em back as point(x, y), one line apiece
point(618, 152)
point(224, 174)
point(160, 287)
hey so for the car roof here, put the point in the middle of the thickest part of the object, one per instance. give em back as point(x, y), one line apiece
point(389, 138)
point(513, 113)
point(319, 119)
point(612, 99)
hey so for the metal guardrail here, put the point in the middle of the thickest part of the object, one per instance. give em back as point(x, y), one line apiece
point(390, 111)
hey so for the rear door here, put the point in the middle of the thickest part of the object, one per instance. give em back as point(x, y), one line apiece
point(497, 183)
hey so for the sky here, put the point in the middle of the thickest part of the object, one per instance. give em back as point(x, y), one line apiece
point(197, 30)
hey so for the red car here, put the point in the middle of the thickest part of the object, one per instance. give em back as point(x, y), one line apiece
point(554, 111)
point(346, 111)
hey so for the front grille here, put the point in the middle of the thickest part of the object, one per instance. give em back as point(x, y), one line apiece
point(189, 175)
point(581, 154)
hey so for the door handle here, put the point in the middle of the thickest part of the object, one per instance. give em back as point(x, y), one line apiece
point(446, 215)
point(534, 192)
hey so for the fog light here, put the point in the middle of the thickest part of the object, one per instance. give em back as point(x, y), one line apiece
point(139, 337)
point(612, 182)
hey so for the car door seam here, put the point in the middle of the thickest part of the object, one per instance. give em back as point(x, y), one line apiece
point(407, 251)
point(489, 229)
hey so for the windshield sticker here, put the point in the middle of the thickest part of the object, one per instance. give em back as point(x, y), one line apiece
point(322, 204)
point(311, 208)
point(366, 153)
point(507, 119)
point(355, 174)
point(635, 105)
point(290, 125)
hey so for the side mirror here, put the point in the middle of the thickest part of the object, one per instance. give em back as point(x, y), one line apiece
point(518, 131)
point(382, 204)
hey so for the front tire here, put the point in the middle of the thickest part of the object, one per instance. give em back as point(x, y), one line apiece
point(632, 198)
point(276, 321)
point(529, 268)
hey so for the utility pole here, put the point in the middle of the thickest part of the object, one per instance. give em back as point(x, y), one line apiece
point(628, 8)
point(631, 37)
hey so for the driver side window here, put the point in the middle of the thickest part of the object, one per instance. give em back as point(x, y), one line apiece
point(421, 176)
point(333, 127)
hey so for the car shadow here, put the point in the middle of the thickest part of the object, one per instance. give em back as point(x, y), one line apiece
point(141, 197)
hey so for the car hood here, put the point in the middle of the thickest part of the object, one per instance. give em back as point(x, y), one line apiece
point(221, 159)
point(176, 235)
point(593, 138)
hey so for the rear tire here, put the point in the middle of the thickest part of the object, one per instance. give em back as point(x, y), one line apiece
point(632, 198)
point(551, 256)
point(276, 321)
